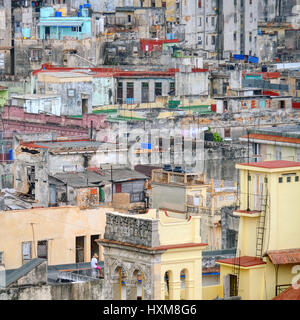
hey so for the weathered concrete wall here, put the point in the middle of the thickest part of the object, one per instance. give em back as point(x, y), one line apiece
point(36, 276)
point(128, 229)
point(168, 197)
point(31, 54)
point(266, 10)
point(5, 37)
point(70, 105)
point(191, 84)
point(92, 290)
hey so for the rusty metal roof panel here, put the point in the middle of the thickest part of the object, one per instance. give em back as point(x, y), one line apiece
point(288, 256)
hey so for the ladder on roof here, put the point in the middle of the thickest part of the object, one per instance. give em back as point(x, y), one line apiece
point(260, 228)
point(236, 268)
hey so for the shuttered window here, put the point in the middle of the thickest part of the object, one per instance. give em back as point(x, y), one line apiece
point(26, 251)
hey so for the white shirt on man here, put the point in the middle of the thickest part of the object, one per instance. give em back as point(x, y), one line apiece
point(94, 263)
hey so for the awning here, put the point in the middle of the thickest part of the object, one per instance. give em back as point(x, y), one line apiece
point(60, 23)
point(288, 256)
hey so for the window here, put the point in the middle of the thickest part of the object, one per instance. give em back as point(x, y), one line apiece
point(158, 89)
point(71, 92)
point(213, 40)
point(250, 36)
point(79, 244)
point(130, 87)
point(278, 153)
point(227, 133)
point(288, 179)
point(120, 93)
point(296, 179)
point(42, 249)
point(200, 22)
point(118, 188)
point(234, 36)
point(172, 89)
point(251, 17)
point(249, 177)
point(280, 180)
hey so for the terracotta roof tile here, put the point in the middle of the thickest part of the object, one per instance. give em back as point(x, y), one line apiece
point(275, 164)
point(289, 294)
point(271, 138)
point(244, 261)
point(288, 256)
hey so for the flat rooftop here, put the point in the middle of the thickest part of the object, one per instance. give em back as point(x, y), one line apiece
point(284, 131)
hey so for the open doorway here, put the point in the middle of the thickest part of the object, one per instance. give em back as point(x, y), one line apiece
point(47, 32)
point(94, 245)
point(145, 92)
point(31, 179)
point(80, 249)
point(85, 103)
point(233, 285)
point(42, 249)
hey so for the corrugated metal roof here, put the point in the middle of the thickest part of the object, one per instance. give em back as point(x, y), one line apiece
point(288, 256)
point(119, 175)
point(80, 179)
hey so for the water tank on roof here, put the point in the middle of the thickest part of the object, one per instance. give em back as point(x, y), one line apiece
point(58, 14)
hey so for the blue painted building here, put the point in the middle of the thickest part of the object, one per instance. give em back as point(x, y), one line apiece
point(54, 26)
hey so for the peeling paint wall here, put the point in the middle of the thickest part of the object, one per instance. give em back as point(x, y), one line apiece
point(5, 37)
point(92, 290)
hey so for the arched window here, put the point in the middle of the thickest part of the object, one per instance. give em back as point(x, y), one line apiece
point(139, 286)
point(183, 288)
point(167, 286)
point(123, 288)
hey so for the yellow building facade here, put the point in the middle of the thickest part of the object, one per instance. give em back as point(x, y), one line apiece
point(62, 235)
point(269, 240)
point(152, 257)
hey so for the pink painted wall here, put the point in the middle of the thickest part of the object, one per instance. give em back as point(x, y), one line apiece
point(15, 119)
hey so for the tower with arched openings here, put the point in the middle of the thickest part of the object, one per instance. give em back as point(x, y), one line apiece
point(152, 257)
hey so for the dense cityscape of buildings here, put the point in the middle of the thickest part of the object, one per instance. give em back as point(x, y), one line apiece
point(161, 138)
